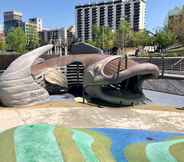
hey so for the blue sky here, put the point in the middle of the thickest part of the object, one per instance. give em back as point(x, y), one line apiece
point(58, 13)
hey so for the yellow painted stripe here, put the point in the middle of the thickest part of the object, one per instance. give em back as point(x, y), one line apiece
point(136, 152)
point(7, 146)
point(69, 150)
point(101, 146)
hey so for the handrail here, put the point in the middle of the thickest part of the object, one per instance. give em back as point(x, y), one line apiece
point(179, 61)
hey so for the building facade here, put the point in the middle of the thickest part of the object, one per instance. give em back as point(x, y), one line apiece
point(109, 14)
point(71, 35)
point(31, 33)
point(12, 19)
point(174, 20)
point(57, 37)
point(53, 35)
point(38, 22)
point(2, 37)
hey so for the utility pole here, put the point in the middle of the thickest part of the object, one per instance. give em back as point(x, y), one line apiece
point(103, 37)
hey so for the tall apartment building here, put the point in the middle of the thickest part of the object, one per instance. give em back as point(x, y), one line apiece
point(38, 22)
point(109, 13)
point(71, 35)
point(2, 37)
point(31, 32)
point(12, 19)
point(58, 37)
point(176, 19)
point(53, 35)
point(32, 29)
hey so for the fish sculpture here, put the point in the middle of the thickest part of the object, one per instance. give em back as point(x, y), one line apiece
point(107, 78)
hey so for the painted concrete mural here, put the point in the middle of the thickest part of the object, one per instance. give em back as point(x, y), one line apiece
point(50, 143)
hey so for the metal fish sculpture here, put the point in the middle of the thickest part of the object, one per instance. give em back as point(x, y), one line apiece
point(107, 78)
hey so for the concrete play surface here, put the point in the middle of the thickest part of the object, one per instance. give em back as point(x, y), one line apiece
point(76, 132)
point(52, 143)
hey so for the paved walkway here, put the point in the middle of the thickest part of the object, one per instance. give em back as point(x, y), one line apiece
point(142, 117)
point(172, 76)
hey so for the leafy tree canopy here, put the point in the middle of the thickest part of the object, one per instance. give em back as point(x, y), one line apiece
point(103, 37)
point(142, 38)
point(2, 45)
point(164, 38)
point(124, 35)
point(16, 40)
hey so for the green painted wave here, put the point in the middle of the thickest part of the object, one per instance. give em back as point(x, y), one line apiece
point(84, 143)
point(104, 154)
point(36, 143)
point(159, 152)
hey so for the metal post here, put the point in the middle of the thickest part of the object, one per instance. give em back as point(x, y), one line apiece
point(181, 66)
point(126, 61)
point(150, 58)
point(83, 95)
point(163, 65)
point(119, 66)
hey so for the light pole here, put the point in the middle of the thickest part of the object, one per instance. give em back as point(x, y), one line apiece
point(103, 37)
point(123, 18)
point(124, 52)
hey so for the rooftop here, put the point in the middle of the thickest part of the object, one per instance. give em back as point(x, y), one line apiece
point(12, 13)
point(102, 2)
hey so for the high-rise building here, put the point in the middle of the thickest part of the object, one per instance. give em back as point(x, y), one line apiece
point(38, 22)
point(71, 35)
point(2, 37)
point(176, 20)
point(12, 19)
point(53, 35)
point(31, 32)
point(57, 37)
point(1, 33)
point(110, 14)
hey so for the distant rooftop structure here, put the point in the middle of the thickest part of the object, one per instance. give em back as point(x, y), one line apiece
point(12, 19)
point(38, 22)
point(94, 2)
point(12, 15)
point(176, 11)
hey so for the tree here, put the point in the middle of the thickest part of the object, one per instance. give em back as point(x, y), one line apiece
point(142, 38)
point(102, 37)
point(2, 45)
point(16, 40)
point(164, 38)
point(124, 35)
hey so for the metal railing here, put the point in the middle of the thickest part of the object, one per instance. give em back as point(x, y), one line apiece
point(178, 65)
point(167, 65)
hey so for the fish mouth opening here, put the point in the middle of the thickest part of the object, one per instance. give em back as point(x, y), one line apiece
point(127, 92)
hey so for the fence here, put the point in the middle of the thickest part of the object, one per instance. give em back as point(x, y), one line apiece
point(167, 65)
